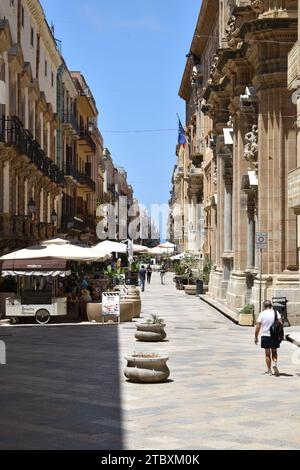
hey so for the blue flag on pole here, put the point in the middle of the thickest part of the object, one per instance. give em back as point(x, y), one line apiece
point(181, 134)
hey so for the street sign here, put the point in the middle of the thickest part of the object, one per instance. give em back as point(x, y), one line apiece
point(261, 240)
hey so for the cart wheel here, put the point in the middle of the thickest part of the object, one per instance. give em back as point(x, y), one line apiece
point(14, 320)
point(42, 316)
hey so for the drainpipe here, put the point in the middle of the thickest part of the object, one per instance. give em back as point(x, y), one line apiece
point(59, 139)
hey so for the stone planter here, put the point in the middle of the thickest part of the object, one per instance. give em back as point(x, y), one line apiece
point(246, 319)
point(150, 332)
point(137, 304)
point(190, 289)
point(94, 312)
point(141, 369)
point(126, 310)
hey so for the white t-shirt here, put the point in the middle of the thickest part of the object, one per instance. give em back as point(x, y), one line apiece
point(266, 318)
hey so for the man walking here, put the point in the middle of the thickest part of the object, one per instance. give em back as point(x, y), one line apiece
point(162, 274)
point(142, 275)
point(264, 323)
point(149, 273)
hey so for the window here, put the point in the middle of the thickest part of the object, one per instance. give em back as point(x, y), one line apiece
point(46, 68)
point(52, 79)
point(22, 17)
point(31, 37)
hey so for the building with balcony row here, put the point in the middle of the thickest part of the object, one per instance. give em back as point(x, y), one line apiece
point(240, 162)
point(52, 157)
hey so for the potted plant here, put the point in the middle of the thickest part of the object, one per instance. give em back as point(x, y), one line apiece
point(246, 315)
point(146, 368)
point(151, 330)
point(180, 277)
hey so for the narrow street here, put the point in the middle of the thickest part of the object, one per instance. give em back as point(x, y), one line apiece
point(63, 386)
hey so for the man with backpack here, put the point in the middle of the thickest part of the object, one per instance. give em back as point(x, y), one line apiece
point(270, 324)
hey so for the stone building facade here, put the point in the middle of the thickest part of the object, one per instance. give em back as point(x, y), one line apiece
point(52, 158)
point(240, 124)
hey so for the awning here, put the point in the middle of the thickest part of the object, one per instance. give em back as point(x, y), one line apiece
point(35, 267)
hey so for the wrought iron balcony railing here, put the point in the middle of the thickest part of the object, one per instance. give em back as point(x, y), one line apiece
point(68, 119)
point(12, 133)
point(85, 180)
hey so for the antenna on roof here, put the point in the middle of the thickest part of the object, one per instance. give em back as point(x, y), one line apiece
point(52, 28)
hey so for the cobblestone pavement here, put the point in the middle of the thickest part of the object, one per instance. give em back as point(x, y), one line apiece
point(63, 386)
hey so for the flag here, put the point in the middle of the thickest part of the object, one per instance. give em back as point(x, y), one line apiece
point(181, 133)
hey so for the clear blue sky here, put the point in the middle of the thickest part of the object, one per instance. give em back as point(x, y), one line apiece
point(132, 53)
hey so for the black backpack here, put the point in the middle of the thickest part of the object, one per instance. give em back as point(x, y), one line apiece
point(276, 329)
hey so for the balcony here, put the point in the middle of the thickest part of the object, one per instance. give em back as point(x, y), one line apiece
point(86, 181)
point(12, 133)
point(71, 172)
point(294, 189)
point(86, 142)
point(194, 172)
point(294, 67)
point(70, 123)
point(197, 148)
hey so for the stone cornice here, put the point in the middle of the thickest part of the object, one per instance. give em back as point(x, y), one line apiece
point(43, 29)
point(206, 18)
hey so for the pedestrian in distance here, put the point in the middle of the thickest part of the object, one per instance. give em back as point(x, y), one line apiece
point(163, 274)
point(142, 276)
point(149, 273)
point(269, 323)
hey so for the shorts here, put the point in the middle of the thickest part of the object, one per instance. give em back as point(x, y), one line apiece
point(269, 343)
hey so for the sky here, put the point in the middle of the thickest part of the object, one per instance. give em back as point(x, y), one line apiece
point(132, 54)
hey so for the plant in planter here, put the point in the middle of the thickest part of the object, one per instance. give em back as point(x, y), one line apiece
point(146, 368)
point(246, 315)
point(151, 330)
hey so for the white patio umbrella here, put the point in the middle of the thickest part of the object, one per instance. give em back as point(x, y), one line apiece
point(183, 255)
point(140, 248)
point(167, 246)
point(61, 250)
point(157, 251)
point(178, 257)
point(110, 247)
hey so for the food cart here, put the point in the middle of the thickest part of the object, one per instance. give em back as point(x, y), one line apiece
point(38, 289)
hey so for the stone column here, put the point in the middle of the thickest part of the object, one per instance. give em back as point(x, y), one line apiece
point(251, 234)
point(227, 214)
point(6, 186)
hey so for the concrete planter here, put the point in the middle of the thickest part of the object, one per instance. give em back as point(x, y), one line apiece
point(94, 312)
point(137, 304)
point(190, 289)
point(141, 369)
point(150, 332)
point(246, 319)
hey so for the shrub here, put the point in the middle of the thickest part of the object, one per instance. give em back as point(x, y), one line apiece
point(248, 309)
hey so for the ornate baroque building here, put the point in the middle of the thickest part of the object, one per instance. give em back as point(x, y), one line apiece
point(53, 168)
point(241, 128)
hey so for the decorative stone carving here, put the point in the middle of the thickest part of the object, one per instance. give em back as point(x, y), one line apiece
point(214, 72)
point(251, 146)
point(232, 33)
point(256, 5)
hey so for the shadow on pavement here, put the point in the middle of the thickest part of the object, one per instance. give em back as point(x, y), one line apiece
point(60, 389)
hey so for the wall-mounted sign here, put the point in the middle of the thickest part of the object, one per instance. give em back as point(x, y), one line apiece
point(261, 240)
